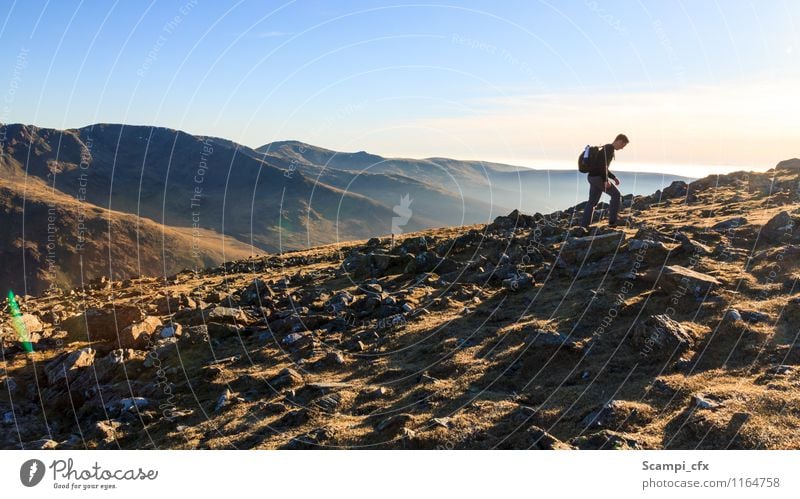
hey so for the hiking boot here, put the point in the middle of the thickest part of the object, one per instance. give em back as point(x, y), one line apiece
point(621, 222)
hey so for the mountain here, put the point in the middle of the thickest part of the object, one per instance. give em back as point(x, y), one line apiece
point(50, 239)
point(478, 184)
point(675, 331)
point(282, 196)
point(182, 180)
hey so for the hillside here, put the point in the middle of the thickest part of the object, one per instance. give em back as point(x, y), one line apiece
point(286, 196)
point(156, 173)
point(51, 239)
point(482, 189)
point(676, 331)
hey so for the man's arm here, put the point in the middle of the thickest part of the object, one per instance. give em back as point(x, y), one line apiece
point(608, 150)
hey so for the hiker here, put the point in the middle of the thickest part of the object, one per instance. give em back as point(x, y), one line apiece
point(599, 179)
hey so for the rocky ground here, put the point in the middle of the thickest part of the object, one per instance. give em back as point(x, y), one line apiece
point(678, 330)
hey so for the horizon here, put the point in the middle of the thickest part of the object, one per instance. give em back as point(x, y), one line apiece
point(708, 90)
point(691, 171)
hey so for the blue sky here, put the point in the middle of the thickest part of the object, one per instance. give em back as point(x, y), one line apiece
point(697, 85)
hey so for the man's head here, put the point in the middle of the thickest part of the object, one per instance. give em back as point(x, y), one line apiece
point(620, 142)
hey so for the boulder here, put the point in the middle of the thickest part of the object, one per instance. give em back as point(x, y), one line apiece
point(101, 324)
point(679, 280)
point(731, 223)
point(171, 331)
point(170, 304)
point(778, 228)
point(31, 323)
point(606, 440)
point(661, 336)
point(676, 189)
point(538, 439)
point(691, 246)
point(213, 313)
point(137, 334)
point(374, 264)
point(579, 249)
point(616, 414)
point(287, 377)
point(414, 245)
point(68, 366)
point(788, 165)
point(338, 302)
point(257, 293)
point(393, 424)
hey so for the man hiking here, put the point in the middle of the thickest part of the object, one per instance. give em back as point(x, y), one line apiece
point(599, 182)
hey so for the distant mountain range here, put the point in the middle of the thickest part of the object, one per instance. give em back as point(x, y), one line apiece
point(116, 200)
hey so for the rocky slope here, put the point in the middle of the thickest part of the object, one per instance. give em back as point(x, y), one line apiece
point(678, 330)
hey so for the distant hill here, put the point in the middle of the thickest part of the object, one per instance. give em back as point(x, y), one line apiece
point(50, 238)
point(499, 186)
point(281, 196)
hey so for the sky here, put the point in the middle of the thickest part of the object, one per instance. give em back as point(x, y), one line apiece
point(699, 86)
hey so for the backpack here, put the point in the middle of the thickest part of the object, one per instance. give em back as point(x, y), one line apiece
point(588, 158)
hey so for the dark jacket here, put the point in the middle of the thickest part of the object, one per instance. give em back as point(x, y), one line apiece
point(599, 168)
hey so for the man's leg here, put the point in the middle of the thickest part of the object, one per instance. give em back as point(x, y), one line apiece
point(595, 191)
point(613, 210)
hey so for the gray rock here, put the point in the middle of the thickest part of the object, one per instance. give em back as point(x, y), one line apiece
point(606, 440)
point(681, 281)
point(258, 292)
point(676, 189)
point(67, 366)
point(731, 223)
point(131, 403)
point(137, 334)
point(335, 358)
point(544, 338)
point(287, 377)
point(779, 228)
point(578, 249)
point(691, 246)
point(733, 315)
point(31, 323)
point(291, 339)
point(394, 423)
point(754, 316)
point(660, 335)
point(101, 324)
point(703, 402)
point(539, 439)
point(376, 393)
point(339, 302)
point(171, 331)
point(224, 399)
point(788, 165)
point(329, 403)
